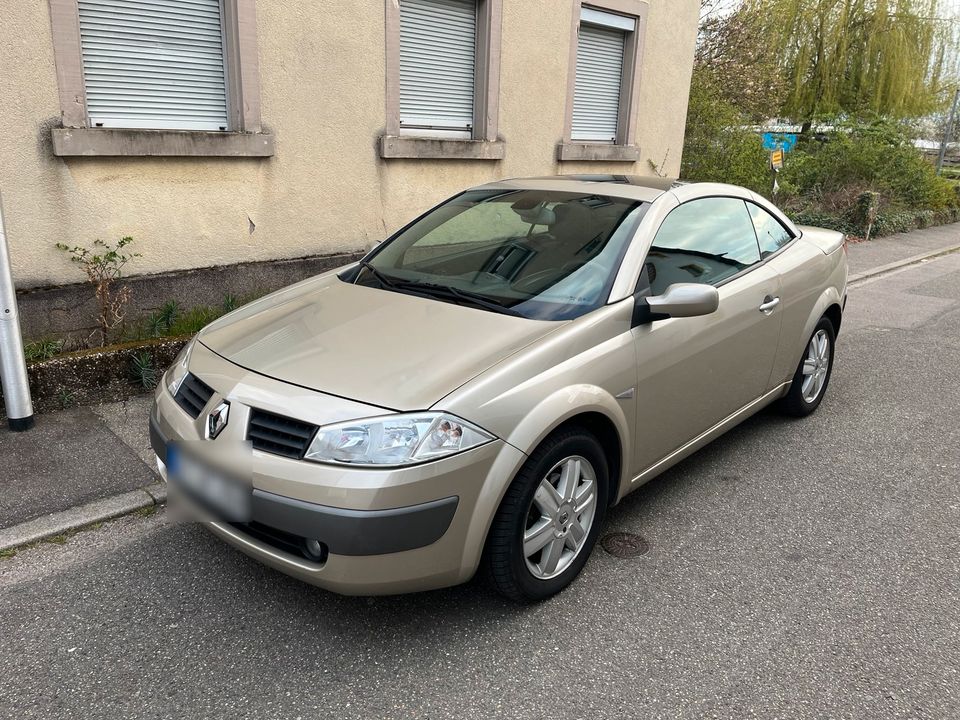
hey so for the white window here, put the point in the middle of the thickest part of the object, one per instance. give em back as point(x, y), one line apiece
point(598, 89)
point(156, 64)
point(438, 61)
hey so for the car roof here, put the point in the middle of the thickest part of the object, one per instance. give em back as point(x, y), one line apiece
point(633, 187)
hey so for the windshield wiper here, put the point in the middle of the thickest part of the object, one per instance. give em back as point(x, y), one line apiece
point(454, 292)
point(425, 289)
point(381, 278)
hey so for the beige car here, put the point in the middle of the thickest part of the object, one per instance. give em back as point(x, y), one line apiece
point(485, 384)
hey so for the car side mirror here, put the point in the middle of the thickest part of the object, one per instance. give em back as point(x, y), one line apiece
point(678, 300)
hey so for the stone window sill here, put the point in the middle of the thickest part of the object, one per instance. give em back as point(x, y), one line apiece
point(103, 142)
point(394, 146)
point(590, 152)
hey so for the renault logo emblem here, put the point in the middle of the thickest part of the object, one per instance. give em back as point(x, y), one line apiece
point(217, 419)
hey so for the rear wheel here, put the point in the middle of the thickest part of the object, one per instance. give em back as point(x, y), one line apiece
point(548, 521)
point(813, 373)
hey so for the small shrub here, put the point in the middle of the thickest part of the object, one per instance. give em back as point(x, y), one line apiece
point(103, 266)
point(66, 399)
point(143, 371)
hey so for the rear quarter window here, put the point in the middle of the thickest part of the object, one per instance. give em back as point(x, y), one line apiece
point(771, 235)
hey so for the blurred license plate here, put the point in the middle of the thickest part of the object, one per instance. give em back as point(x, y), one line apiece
point(226, 497)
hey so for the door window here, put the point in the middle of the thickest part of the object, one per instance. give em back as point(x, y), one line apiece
point(702, 241)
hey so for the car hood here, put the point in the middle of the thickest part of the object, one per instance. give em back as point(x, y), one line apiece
point(383, 348)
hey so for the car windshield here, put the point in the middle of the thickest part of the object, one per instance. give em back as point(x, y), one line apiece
point(537, 254)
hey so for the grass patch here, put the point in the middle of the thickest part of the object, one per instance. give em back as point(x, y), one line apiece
point(42, 349)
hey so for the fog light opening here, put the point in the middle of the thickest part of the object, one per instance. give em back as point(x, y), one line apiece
point(314, 550)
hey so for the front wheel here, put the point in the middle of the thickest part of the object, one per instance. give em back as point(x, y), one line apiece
point(548, 521)
point(813, 373)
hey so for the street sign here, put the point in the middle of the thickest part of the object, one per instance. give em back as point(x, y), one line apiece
point(776, 159)
point(783, 141)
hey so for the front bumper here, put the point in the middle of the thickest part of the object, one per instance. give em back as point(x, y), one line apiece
point(386, 530)
point(342, 531)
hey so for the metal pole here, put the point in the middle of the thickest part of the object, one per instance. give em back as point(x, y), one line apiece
point(948, 133)
point(13, 368)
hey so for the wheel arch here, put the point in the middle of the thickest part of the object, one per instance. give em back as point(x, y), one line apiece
point(828, 303)
point(591, 407)
point(834, 314)
point(603, 428)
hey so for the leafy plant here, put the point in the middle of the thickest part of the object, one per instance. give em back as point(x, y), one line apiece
point(157, 324)
point(103, 265)
point(67, 399)
point(143, 371)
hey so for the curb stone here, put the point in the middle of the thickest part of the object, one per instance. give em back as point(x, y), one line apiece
point(81, 516)
point(897, 264)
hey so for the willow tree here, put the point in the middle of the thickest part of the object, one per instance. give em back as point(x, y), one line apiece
point(858, 57)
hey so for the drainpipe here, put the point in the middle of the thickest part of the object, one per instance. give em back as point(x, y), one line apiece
point(13, 368)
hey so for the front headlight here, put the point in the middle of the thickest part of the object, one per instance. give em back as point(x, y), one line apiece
point(178, 371)
point(395, 439)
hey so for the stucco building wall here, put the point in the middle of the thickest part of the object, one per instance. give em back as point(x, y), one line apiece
point(326, 189)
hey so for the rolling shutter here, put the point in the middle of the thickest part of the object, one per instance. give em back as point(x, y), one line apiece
point(437, 66)
point(153, 63)
point(596, 97)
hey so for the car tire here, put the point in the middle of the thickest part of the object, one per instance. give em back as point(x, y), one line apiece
point(520, 518)
point(801, 400)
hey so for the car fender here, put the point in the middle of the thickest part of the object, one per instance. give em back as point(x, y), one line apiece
point(829, 296)
point(553, 411)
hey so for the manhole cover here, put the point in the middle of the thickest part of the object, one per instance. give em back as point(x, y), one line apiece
point(624, 545)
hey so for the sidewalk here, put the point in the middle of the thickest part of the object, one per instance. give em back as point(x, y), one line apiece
point(88, 464)
point(76, 467)
point(874, 254)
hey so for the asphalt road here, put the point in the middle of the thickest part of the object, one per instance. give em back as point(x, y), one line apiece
point(797, 569)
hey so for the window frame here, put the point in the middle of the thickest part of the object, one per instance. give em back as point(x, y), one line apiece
point(625, 148)
point(243, 137)
point(484, 144)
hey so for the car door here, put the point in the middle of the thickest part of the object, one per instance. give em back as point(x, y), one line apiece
point(695, 372)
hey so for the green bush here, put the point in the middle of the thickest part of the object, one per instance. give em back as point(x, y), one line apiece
point(717, 147)
point(853, 158)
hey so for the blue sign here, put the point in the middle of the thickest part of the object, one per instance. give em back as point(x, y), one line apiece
point(779, 141)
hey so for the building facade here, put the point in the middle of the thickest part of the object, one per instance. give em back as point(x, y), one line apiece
point(221, 131)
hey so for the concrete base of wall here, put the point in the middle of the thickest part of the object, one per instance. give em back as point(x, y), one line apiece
point(71, 310)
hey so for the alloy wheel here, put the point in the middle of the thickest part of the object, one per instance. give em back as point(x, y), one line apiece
point(560, 517)
point(816, 366)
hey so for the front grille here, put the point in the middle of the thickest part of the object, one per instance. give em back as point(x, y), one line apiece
point(279, 435)
point(193, 395)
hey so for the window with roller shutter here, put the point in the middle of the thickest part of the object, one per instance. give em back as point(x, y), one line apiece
point(154, 64)
point(442, 79)
point(173, 78)
point(602, 104)
point(437, 66)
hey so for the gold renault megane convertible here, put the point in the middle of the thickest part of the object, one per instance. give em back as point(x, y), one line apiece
point(482, 386)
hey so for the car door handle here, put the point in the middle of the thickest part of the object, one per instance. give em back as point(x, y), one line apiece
point(768, 304)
